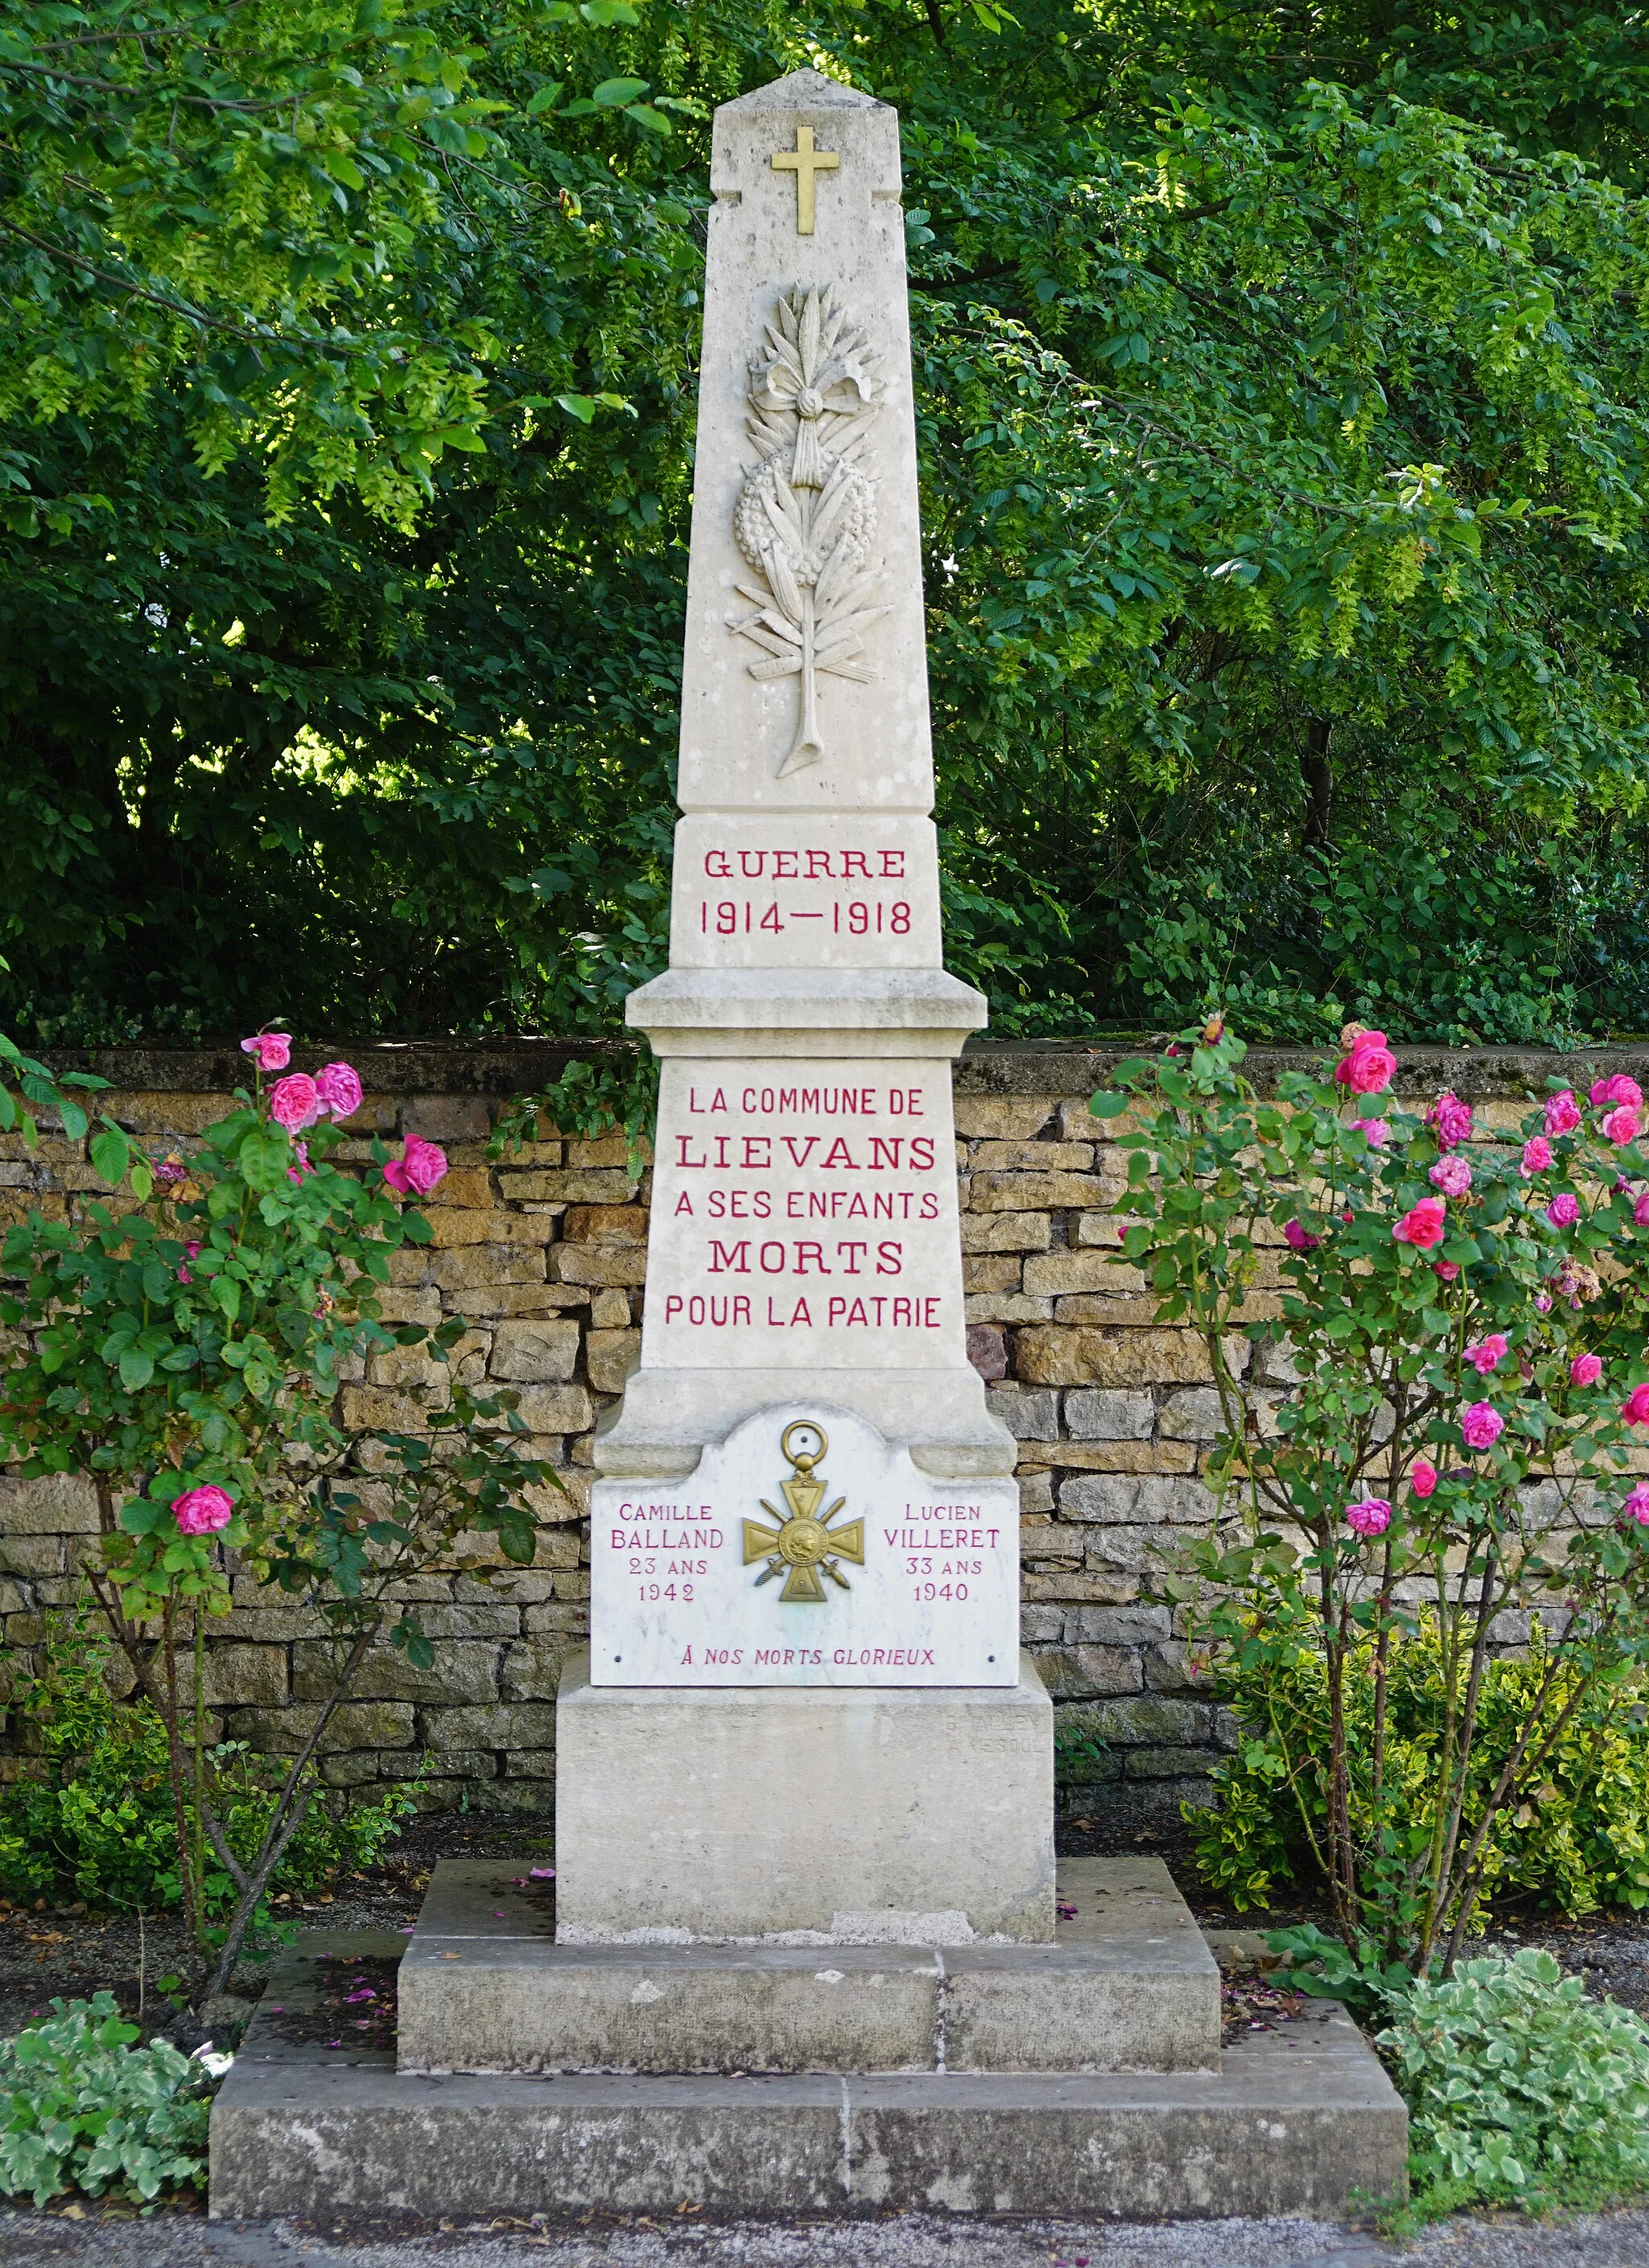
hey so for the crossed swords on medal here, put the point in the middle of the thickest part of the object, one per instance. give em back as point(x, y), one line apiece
point(804, 1542)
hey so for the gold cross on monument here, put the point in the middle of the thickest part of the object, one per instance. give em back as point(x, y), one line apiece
point(804, 1545)
point(805, 161)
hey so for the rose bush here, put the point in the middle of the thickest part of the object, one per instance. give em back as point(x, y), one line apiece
point(187, 1354)
point(1464, 1323)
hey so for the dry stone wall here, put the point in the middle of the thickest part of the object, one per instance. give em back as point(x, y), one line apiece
point(542, 1253)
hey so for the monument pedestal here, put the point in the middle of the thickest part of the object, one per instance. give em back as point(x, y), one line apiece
point(853, 1815)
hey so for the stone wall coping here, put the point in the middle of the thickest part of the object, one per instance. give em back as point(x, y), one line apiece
point(1060, 1068)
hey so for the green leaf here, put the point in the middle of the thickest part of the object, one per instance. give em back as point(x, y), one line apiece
point(617, 93)
point(1108, 1106)
point(111, 1154)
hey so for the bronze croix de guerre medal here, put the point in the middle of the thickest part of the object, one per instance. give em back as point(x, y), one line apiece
point(804, 1545)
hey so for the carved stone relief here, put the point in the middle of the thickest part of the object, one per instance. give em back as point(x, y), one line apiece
point(807, 513)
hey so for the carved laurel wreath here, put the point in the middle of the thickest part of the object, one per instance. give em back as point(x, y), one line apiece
point(807, 513)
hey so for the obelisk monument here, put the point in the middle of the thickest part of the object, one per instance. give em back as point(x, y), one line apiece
point(805, 1707)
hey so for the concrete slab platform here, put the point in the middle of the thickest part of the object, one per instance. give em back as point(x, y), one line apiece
point(1129, 1984)
point(1302, 2121)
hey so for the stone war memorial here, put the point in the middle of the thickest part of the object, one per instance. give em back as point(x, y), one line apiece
point(805, 1948)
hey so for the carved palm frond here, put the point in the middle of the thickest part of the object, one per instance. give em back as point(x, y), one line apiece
point(806, 511)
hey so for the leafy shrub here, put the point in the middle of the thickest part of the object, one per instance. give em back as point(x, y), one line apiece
point(1520, 2088)
point(81, 2107)
point(1580, 1838)
point(1448, 1441)
point(102, 1817)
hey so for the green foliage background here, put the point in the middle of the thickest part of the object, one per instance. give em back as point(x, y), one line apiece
point(1280, 389)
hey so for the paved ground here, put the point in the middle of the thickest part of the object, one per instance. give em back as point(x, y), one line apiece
point(184, 2241)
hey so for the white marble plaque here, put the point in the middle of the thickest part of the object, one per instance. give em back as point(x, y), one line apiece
point(805, 1217)
point(805, 1550)
point(830, 891)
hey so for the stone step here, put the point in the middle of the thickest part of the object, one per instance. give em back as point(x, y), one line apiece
point(1129, 1984)
point(1302, 2120)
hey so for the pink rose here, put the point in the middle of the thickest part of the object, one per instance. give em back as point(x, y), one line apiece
point(1640, 1211)
point(302, 1169)
point(1565, 1210)
point(1488, 1353)
point(1446, 1269)
point(1424, 1226)
point(1423, 1479)
point(1450, 1121)
point(1536, 1157)
point(202, 1510)
point(1452, 1176)
point(1586, 1370)
point(293, 1102)
point(419, 1167)
point(1637, 1504)
point(1374, 1131)
point(1300, 1239)
point(272, 1049)
point(1562, 1113)
point(1621, 1126)
point(338, 1089)
point(1617, 1089)
point(1368, 1066)
point(1482, 1426)
point(1372, 1516)
point(1635, 1409)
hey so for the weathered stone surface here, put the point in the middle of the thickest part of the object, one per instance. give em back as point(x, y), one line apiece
point(1129, 1499)
point(1116, 1626)
point(531, 1670)
point(1037, 1157)
point(255, 1674)
point(1007, 1308)
point(354, 1725)
point(1099, 1415)
point(461, 1671)
point(980, 1116)
point(988, 1350)
point(1029, 1415)
point(621, 1224)
point(1030, 1192)
point(1193, 1417)
point(610, 1356)
point(1073, 1672)
point(556, 1409)
point(608, 1265)
point(1077, 1271)
point(535, 1353)
point(54, 1504)
point(1302, 2120)
point(1005, 1232)
point(593, 1185)
point(511, 1725)
point(992, 1272)
point(1149, 1722)
point(1055, 1357)
point(1036, 1494)
point(953, 1830)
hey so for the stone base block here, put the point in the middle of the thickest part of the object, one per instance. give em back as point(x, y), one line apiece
point(1129, 1984)
point(924, 1817)
point(1299, 2121)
